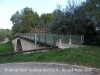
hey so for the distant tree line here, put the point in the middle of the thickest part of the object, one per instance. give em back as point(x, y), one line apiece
point(83, 19)
point(5, 33)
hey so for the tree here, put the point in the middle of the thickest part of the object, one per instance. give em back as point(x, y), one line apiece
point(4, 33)
point(64, 21)
point(16, 20)
point(93, 8)
point(29, 19)
point(44, 20)
point(55, 25)
point(73, 20)
point(24, 20)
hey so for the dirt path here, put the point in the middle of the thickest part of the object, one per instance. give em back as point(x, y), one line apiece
point(39, 68)
point(6, 40)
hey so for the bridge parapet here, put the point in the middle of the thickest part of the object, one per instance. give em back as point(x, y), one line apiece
point(53, 38)
point(46, 40)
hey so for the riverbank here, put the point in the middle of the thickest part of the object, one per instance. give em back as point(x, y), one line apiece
point(84, 56)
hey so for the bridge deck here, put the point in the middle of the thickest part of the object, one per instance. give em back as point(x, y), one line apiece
point(40, 38)
point(52, 39)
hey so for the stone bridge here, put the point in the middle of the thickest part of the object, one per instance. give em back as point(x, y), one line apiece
point(29, 41)
point(23, 42)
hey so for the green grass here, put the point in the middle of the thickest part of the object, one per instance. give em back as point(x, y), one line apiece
point(87, 56)
point(6, 47)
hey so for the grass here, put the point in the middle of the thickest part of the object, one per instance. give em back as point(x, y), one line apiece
point(6, 47)
point(87, 56)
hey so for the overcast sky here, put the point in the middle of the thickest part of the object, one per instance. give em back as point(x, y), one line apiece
point(9, 7)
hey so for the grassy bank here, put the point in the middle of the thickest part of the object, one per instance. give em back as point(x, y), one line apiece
point(6, 47)
point(88, 56)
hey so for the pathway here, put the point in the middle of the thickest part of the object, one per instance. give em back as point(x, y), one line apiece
point(39, 68)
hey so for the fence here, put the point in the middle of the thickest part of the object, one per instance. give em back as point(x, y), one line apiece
point(48, 39)
point(51, 39)
point(20, 52)
point(75, 39)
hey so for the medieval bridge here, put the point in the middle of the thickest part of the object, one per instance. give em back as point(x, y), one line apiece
point(30, 41)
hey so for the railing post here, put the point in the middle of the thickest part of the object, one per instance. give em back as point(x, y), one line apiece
point(62, 37)
point(34, 38)
point(30, 36)
point(24, 35)
point(45, 40)
point(35, 41)
point(39, 39)
point(54, 40)
point(70, 40)
point(82, 38)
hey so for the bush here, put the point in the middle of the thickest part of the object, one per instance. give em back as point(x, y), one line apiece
point(93, 40)
point(97, 41)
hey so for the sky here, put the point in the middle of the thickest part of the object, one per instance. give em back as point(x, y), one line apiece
point(9, 7)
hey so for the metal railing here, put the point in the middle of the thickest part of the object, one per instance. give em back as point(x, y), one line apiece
point(51, 39)
point(42, 38)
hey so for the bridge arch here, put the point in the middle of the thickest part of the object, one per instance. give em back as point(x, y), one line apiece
point(19, 46)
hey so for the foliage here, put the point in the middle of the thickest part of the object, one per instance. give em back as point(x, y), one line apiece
point(6, 47)
point(93, 7)
point(24, 20)
point(44, 20)
point(96, 41)
point(88, 56)
point(27, 18)
point(55, 24)
point(4, 33)
point(75, 19)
